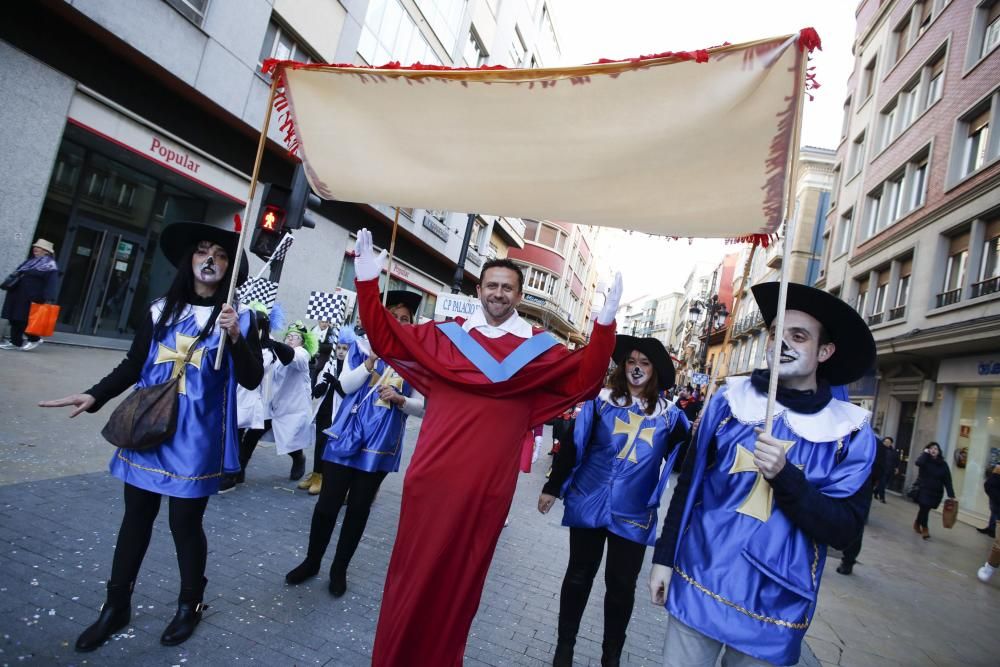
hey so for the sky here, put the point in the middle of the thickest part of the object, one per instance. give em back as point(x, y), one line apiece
point(592, 29)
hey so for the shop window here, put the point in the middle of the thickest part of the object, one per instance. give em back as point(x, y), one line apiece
point(974, 445)
point(954, 270)
point(989, 268)
point(192, 10)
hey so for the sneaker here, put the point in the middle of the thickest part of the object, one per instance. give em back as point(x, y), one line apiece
point(7, 345)
point(31, 345)
point(985, 572)
point(227, 484)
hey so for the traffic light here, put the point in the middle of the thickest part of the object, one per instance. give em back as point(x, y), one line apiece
point(300, 200)
point(272, 221)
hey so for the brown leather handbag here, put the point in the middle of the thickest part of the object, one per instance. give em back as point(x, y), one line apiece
point(148, 417)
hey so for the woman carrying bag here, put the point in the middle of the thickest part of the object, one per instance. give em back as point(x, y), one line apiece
point(182, 332)
point(932, 480)
point(36, 280)
point(611, 475)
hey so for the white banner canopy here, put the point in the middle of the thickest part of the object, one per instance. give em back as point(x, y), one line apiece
point(684, 144)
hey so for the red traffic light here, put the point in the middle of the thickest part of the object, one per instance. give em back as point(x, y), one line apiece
point(272, 219)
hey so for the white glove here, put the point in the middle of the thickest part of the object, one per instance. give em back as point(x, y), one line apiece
point(607, 314)
point(366, 265)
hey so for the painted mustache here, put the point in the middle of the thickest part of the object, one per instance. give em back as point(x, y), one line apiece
point(638, 373)
point(208, 266)
point(787, 353)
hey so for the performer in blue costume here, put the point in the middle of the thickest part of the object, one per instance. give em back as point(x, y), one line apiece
point(752, 515)
point(611, 476)
point(365, 444)
point(189, 466)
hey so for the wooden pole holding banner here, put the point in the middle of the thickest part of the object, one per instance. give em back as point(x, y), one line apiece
point(392, 252)
point(246, 209)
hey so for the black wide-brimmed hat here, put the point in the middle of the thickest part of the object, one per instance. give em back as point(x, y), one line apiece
point(179, 237)
point(406, 298)
point(654, 351)
point(855, 346)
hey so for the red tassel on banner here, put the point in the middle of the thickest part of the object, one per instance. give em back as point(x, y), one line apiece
point(809, 40)
point(763, 240)
point(237, 223)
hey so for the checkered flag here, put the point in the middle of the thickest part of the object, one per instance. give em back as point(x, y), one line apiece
point(330, 307)
point(257, 289)
point(282, 249)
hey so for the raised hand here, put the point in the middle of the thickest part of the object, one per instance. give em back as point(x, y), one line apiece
point(367, 266)
point(614, 297)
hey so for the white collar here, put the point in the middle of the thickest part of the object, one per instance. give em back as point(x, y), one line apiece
point(837, 420)
point(514, 324)
point(662, 405)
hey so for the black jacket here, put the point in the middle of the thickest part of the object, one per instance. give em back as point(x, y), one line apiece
point(34, 287)
point(992, 488)
point(933, 479)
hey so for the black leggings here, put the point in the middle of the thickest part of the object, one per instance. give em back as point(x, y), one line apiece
point(339, 483)
point(922, 515)
point(321, 425)
point(141, 508)
point(249, 437)
point(586, 550)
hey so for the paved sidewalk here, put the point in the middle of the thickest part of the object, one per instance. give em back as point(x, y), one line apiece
point(909, 602)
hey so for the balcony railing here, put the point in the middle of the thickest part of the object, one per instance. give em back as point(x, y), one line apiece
point(949, 297)
point(875, 318)
point(897, 313)
point(985, 287)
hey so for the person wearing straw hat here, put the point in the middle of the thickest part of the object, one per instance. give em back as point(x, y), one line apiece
point(612, 488)
point(363, 445)
point(188, 466)
point(35, 280)
point(753, 513)
point(492, 378)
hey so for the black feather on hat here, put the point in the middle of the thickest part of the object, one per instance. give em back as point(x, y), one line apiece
point(855, 346)
point(654, 351)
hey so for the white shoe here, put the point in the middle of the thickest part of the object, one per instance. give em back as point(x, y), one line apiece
point(985, 572)
point(7, 345)
point(31, 345)
point(506, 522)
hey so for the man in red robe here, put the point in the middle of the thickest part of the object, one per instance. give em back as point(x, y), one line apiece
point(492, 374)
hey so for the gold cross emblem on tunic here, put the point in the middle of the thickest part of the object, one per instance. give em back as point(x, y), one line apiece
point(165, 354)
point(388, 379)
point(632, 430)
point(759, 502)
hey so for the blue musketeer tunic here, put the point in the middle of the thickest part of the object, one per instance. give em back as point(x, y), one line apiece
point(744, 574)
point(367, 432)
point(192, 462)
point(617, 481)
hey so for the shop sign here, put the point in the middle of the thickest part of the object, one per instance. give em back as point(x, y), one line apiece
point(972, 370)
point(537, 300)
point(989, 367)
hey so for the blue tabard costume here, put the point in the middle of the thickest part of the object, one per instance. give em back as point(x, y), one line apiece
point(367, 432)
point(744, 574)
point(191, 463)
point(617, 481)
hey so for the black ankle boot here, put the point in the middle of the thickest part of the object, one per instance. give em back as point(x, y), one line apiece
point(611, 656)
point(115, 615)
point(298, 466)
point(338, 581)
point(564, 654)
point(305, 570)
point(187, 618)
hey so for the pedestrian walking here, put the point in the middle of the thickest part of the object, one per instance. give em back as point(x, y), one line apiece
point(992, 488)
point(364, 444)
point(35, 280)
point(933, 480)
point(612, 489)
point(886, 462)
point(189, 465)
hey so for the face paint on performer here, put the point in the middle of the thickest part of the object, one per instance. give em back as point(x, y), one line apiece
point(638, 369)
point(801, 350)
point(500, 293)
point(209, 263)
point(341, 351)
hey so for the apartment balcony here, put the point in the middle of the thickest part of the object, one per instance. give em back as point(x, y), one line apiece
point(875, 318)
point(949, 297)
point(511, 229)
point(897, 313)
point(985, 287)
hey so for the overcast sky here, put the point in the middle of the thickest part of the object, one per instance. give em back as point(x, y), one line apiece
point(592, 29)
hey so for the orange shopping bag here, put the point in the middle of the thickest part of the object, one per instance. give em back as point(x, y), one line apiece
point(42, 319)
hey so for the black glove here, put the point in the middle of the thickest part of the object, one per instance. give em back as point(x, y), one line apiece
point(329, 379)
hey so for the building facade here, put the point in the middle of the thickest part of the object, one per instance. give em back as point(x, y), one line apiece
point(914, 228)
point(148, 112)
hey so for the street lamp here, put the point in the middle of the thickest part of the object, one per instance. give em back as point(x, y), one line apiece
point(715, 319)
